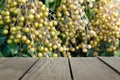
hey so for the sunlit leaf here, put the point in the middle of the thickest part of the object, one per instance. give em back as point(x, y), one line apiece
point(13, 48)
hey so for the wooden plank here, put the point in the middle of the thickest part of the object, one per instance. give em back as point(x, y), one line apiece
point(49, 69)
point(91, 69)
point(113, 62)
point(2, 60)
point(14, 68)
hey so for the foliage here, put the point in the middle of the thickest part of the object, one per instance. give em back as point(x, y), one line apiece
point(52, 4)
point(54, 28)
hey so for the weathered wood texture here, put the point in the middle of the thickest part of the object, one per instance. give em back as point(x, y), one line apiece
point(14, 68)
point(91, 69)
point(113, 62)
point(59, 68)
point(2, 60)
point(49, 69)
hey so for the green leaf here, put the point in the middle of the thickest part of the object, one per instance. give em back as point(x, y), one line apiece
point(103, 54)
point(50, 54)
point(90, 52)
point(117, 54)
point(55, 5)
point(6, 51)
point(47, 2)
point(2, 4)
point(107, 54)
point(52, 4)
point(2, 40)
point(24, 47)
point(22, 55)
point(1, 55)
point(118, 46)
point(13, 48)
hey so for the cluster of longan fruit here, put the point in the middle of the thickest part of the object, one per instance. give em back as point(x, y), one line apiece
point(26, 22)
point(107, 26)
point(65, 31)
point(73, 25)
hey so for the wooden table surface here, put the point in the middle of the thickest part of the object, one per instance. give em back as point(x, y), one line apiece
point(89, 68)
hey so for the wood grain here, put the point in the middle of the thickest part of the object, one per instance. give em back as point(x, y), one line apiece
point(91, 69)
point(14, 68)
point(2, 60)
point(113, 62)
point(49, 69)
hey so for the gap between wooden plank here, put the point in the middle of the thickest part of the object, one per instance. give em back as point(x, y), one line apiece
point(14, 68)
point(49, 69)
point(109, 65)
point(91, 69)
point(28, 70)
point(71, 73)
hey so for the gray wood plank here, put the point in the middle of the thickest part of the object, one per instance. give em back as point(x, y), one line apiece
point(91, 69)
point(112, 61)
point(49, 69)
point(2, 60)
point(14, 68)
